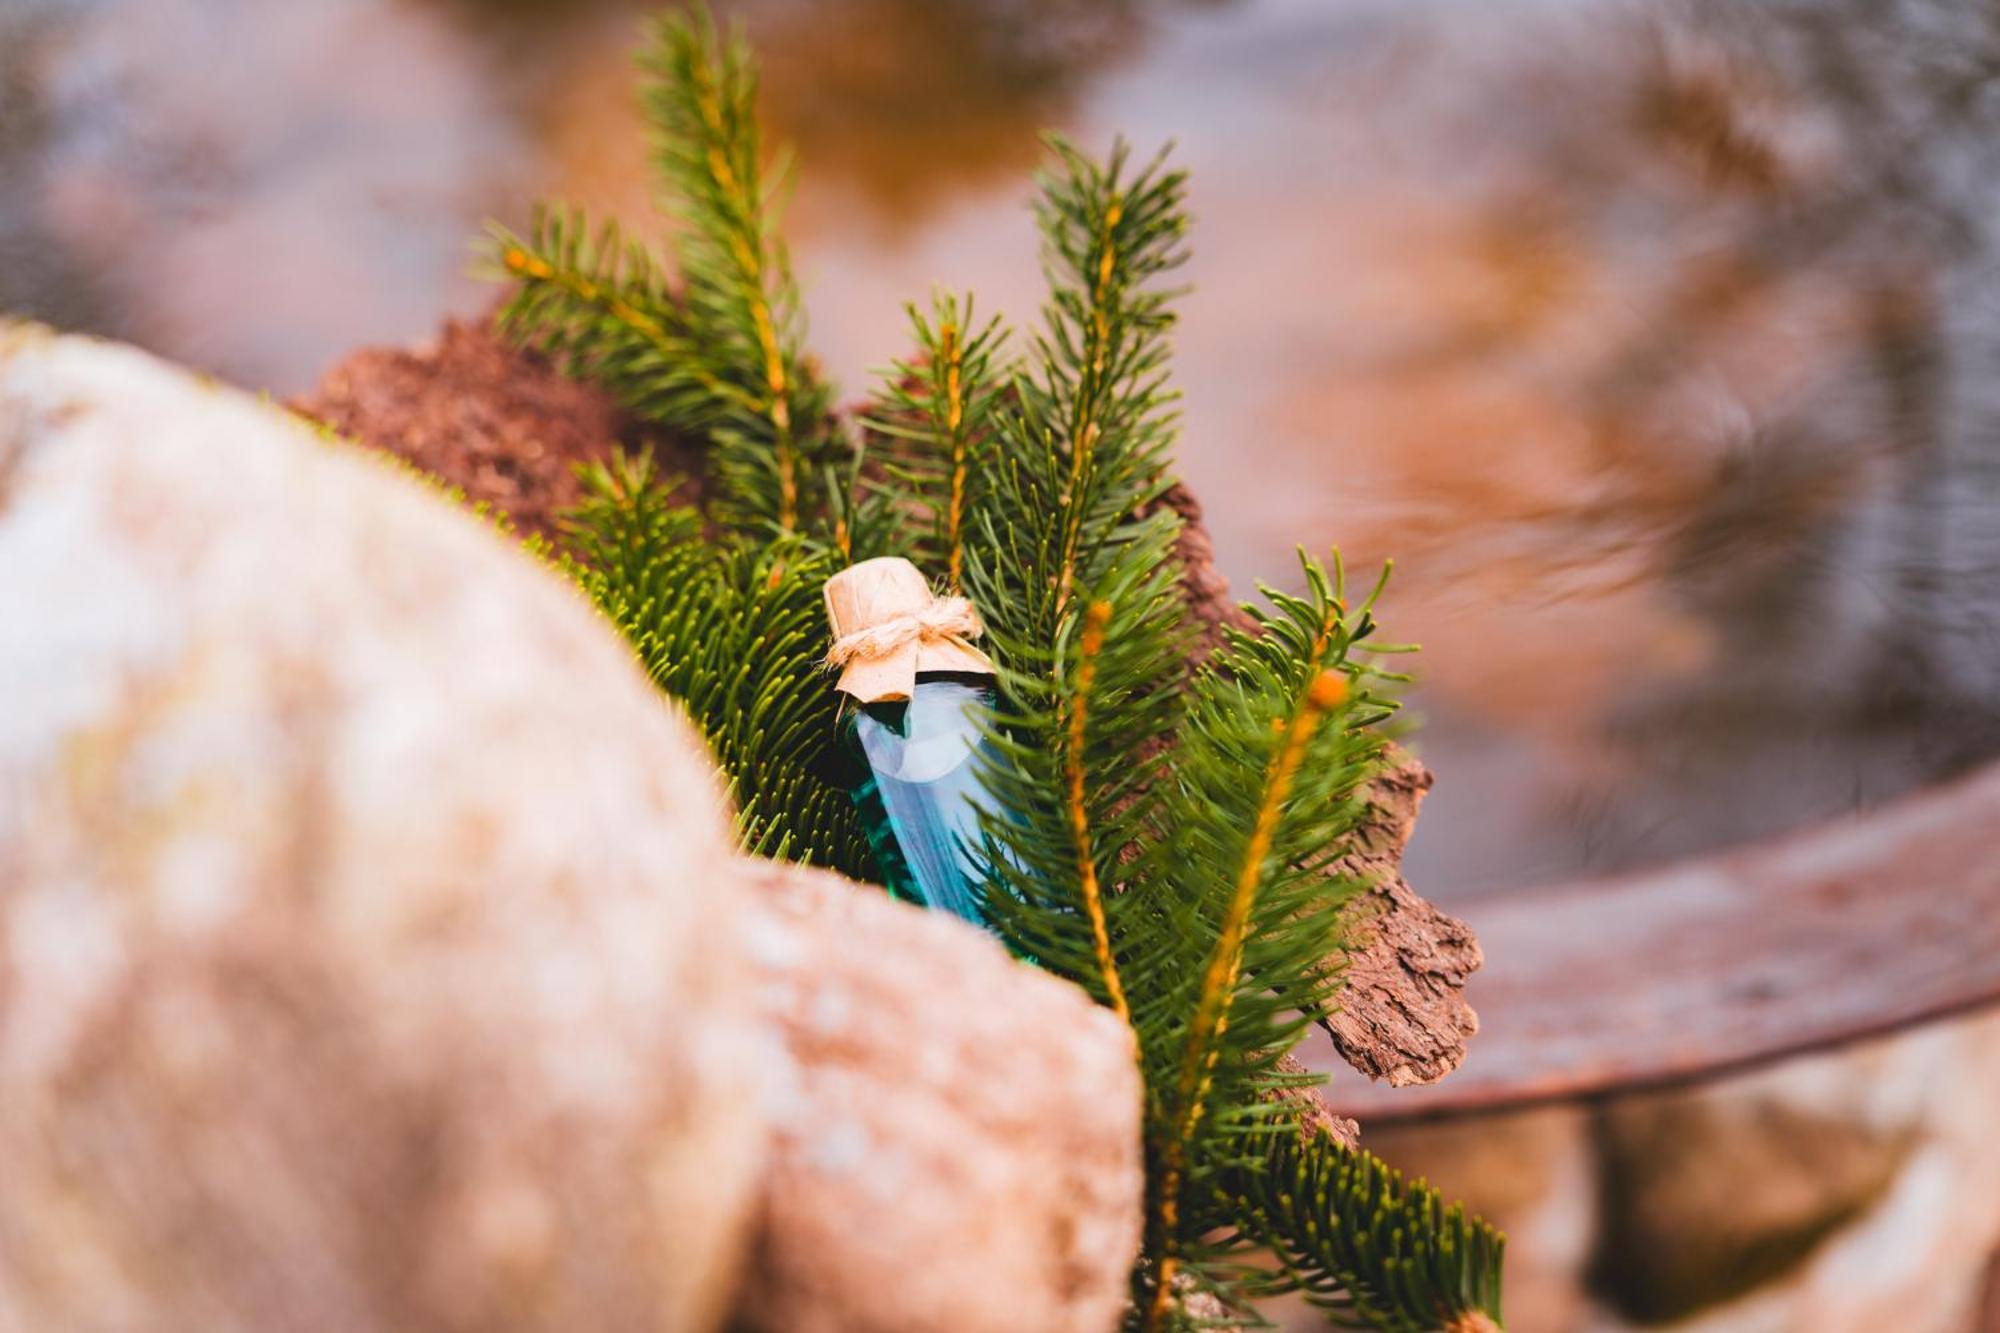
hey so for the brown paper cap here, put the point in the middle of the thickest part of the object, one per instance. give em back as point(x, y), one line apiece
point(865, 595)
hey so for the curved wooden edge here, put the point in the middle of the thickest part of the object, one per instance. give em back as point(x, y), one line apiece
point(1836, 934)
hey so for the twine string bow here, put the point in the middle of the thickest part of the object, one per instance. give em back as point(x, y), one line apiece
point(945, 620)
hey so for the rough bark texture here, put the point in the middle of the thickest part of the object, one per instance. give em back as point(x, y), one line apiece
point(497, 423)
point(1203, 585)
point(358, 900)
point(1404, 1018)
point(1403, 1015)
point(955, 1135)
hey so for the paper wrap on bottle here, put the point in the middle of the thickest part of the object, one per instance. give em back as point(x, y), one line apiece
point(887, 627)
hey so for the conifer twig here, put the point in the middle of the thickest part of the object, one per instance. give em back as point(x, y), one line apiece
point(1327, 690)
point(1090, 646)
point(1172, 842)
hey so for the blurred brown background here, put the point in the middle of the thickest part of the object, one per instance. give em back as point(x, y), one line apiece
point(1652, 340)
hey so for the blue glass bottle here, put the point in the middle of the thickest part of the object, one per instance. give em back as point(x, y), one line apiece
point(916, 689)
point(918, 787)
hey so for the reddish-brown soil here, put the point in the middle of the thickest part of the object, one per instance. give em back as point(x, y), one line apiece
point(501, 424)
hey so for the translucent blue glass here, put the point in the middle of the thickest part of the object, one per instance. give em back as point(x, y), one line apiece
point(919, 788)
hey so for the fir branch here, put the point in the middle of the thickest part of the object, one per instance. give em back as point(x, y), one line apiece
point(599, 306)
point(1084, 451)
point(722, 357)
point(736, 634)
point(1166, 843)
point(1075, 735)
point(1247, 868)
point(933, 417)
point(863, 520)
point(1370, 1248)
point(1103, 390)
point(741, 300)
point(1057, 526)
point(1076, 750)
point(1203, 1048)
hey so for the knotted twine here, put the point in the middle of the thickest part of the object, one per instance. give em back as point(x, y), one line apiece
point(945, 620)
point(888, 626)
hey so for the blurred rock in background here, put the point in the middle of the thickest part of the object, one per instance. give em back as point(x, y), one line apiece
point(1649, 336)
point(1842, 1193)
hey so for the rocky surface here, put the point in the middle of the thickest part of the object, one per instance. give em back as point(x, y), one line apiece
point(955, 1138)
point(373, 954)
point(1846, 1192)
point(358, 899)
point(1707, 1197)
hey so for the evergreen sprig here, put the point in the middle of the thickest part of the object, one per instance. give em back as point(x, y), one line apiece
point(933, 425)
point(599, 306)
point(722, 357)
point(1075, 571)
point(701, 100)
point(736, 634)
point(1372, 1249)
point(1083, 450)
point(1279, 744)
point(1165, 837)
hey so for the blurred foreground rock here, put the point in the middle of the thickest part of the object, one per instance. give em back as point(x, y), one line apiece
point(372, 953)
point(357, 899)
point(955, 1144)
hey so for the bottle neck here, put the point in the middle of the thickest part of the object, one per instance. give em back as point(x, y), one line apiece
point(977, 679)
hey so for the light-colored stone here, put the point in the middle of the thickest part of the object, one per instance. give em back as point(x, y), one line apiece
point(956, 1142)
point(359, 900)
point(1708, 1195)
point(1849, 1192)
point(1915, 1259)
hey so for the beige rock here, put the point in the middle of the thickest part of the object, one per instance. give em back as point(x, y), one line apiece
point(1915, 1257)
point(1708, 1196)
point(956, 1143)
point(358, 900)
point(1845, 1192)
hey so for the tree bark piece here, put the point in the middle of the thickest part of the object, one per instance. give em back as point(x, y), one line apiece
point(956, 1134)
point(498, 423)
point(1403, 1015)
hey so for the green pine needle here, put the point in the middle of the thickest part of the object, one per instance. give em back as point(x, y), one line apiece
point(1164, 837)
point(737, 635)
point(933, 423)
point(1372, 1249)
point(720, 356)
point(599, 305)
point(777, 434)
